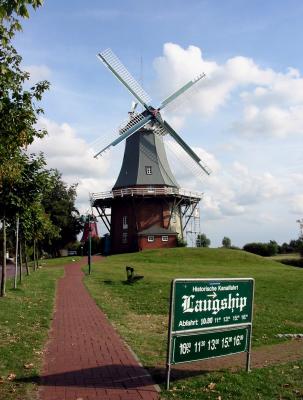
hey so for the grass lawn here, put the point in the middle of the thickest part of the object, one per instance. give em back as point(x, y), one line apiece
point(25, 316)
point(140, 313)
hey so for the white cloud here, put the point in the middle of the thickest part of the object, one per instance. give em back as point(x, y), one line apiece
point(297, 205)
point(72, 156)
point(272, 101)
point(230, 190)
point(277, 121)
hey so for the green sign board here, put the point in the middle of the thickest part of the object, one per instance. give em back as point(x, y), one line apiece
point(199, 346)
point(208, 303)
point(209, 318)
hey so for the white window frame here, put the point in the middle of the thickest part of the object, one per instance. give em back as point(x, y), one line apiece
point(148, 170)
point(124, 222)
point(164, 238)
point(151, 238)
point(124, 237)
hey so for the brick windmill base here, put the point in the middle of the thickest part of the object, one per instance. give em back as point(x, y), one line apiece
point(145, 218)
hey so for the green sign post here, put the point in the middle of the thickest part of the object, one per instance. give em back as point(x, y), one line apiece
point(209, 318)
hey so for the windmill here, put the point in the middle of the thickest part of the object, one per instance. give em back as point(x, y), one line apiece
point(148, 209)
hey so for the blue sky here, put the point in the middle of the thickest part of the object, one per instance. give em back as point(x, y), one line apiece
point(245, 120)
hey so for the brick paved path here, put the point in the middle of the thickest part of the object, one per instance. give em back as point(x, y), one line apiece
point(85, 358)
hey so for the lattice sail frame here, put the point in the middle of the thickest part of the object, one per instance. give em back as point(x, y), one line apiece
point(150, 115)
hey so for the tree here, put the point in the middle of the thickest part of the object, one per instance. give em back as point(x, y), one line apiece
point(59, 203)
point(18, 113)
point(272, 247)
point(226, 242)
point(202, 240)
point(262, 249)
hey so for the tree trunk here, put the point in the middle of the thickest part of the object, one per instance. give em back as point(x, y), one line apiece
point(20, 262)
point(34, 255)
point(26, 258)
point(17, 249)
point(3, 274)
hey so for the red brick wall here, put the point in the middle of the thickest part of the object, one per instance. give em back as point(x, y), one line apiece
point(157, 243)
point(152, 212)
point(141, 214)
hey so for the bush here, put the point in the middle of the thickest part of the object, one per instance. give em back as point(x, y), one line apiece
point(181, 242)
point(226, 242)
point(262, 249)
point(294, 263)
point(202, 240)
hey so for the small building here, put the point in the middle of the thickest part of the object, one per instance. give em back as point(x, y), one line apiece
point(156, 237)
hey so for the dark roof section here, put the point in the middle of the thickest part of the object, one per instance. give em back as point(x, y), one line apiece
point(157, 230)
point(145, 149)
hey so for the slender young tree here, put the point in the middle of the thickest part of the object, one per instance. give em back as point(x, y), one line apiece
point(3, 272)
point(20, 261)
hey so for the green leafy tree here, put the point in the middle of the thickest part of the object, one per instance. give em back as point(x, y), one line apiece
point(262, 249)
point(202, 240)
point(59, 204)
point(18, 112)
point(24, 199)
point(226, 242)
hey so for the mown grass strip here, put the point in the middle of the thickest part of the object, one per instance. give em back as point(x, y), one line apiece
point(25, 316)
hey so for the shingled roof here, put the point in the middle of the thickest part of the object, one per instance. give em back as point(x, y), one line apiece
point(156, 230)
point(145, 149)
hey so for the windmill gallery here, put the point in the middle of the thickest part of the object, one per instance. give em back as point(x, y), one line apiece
point(146, 207)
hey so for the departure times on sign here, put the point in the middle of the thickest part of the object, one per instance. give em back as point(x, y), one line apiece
point(212, 344)
point(207, 345)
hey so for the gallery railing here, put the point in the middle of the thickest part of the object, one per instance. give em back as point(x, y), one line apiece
point(144, 191)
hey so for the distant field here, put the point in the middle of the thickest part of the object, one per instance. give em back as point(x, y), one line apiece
point(140, 311)
point(289, 256)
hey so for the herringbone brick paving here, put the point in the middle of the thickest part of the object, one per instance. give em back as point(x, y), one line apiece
point(85, 357)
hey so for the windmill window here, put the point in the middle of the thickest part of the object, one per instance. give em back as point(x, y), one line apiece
point(164, 238)
point(174, 217)
point(148, 170)
point(124, 237)
point(124, 222)
point(150, 238)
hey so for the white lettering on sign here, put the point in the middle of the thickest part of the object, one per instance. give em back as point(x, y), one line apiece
point(213, 304)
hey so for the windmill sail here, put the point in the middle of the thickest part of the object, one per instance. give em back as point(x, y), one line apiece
point(183, 89)
point(185, 147)
point(182, 158)
point(122, 74)
point(129, 131)
point(150, 114)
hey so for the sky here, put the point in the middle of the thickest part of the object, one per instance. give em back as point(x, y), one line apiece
point(245, 118)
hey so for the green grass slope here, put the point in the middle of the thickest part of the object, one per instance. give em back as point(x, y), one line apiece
point(140, 311)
